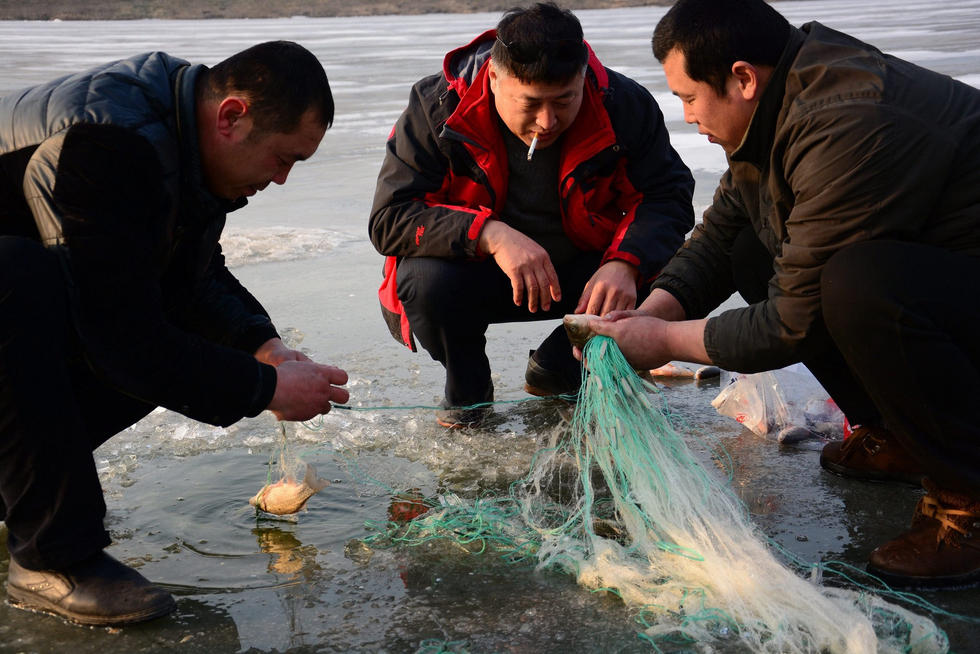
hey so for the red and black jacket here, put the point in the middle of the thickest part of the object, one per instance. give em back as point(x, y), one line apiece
point(623, 188)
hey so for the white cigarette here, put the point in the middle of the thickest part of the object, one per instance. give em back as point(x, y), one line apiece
point(530, 150)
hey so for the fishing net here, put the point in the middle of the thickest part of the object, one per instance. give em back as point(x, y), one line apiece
point(621, 502)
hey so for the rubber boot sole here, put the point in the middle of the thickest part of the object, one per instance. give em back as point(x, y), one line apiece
point(541, 392)
point(968, 580)
point(27, 601)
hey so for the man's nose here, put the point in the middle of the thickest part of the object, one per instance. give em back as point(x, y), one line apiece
point(282, 174)
point(546, 118)
point(689, 116)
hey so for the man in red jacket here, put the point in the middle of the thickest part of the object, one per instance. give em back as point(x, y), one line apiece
point(523, 182)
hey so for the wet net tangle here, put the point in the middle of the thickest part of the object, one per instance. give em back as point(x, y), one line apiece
point(620, 501)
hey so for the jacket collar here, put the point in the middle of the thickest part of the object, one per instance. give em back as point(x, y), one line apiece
point(467, 73)
point(190, 153)
point(758, 140)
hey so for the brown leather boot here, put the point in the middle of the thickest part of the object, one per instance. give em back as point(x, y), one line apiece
point(99, 591)
point(871, 454)
point(941, 550)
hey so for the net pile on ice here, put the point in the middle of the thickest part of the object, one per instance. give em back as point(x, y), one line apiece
point(622, 503)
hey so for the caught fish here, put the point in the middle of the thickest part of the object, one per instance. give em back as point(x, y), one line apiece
point(683, 372)
point(287, 495)
point(797, 434)
point(577, 326)
point(672, 370)
point(707, 372)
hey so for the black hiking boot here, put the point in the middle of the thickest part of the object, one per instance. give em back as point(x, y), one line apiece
point(545, 382)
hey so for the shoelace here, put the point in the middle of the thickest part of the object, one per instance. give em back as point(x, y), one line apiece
point(931, 508)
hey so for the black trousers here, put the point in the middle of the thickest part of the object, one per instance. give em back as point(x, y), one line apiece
point(53, 413)
point(450, 304)
point(899, 345)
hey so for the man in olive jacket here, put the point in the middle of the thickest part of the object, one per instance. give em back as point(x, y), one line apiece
point(849, 220)
point(114, 296)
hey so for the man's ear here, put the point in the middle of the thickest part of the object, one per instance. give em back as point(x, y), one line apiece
point(750, 80)
point(233, 119)
point(493, 74)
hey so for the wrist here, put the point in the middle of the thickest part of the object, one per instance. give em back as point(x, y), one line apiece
point(661, 304)
point(485, 243)
point(685, 341)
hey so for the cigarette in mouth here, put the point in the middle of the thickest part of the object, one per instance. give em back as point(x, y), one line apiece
point(530, 150)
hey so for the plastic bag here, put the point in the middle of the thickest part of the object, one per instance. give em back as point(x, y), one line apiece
point(788, 403)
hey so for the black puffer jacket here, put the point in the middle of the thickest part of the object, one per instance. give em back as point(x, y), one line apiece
point(103, 166)
point(847, 144)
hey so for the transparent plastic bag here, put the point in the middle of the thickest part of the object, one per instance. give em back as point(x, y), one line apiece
point(789, 404)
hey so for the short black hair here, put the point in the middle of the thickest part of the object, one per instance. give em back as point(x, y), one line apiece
point(714, 34)
point(282, 80)
point(540, 43)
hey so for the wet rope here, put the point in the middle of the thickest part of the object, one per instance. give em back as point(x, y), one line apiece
point(568, 397)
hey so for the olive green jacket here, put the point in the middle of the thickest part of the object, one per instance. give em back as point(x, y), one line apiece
point(847, 144)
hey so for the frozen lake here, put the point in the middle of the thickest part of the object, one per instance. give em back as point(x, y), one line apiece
point(177, 490)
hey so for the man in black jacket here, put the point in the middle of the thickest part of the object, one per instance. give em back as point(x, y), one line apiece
point(114, 296)
point(524, 182)
point(849, 219)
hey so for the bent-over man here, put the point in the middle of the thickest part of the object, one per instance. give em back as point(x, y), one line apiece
point(114, 296)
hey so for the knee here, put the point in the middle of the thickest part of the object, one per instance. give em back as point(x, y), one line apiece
point(430, 285)
point(860, 283)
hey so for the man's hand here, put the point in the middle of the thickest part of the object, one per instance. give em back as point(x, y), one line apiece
point(274, 352)
point(305, 389)
point(659, 304)
point(523, 261)
point(649, 342)
point(643, 340)
point(611, 288)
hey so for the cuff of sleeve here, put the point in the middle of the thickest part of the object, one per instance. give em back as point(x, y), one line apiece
point(625, 257)
point(476, 227)
point(664, 283)
point(711, 342)
point(265, 389)
point(253, 337)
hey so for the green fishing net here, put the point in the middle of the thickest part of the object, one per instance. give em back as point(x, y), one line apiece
point(620, 501)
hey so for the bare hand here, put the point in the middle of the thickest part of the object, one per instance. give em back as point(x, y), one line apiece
point(525, 263)
point(274, 352)
point(611, 288)
point(648, 342)
point(642, 339)
point(305, 389)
